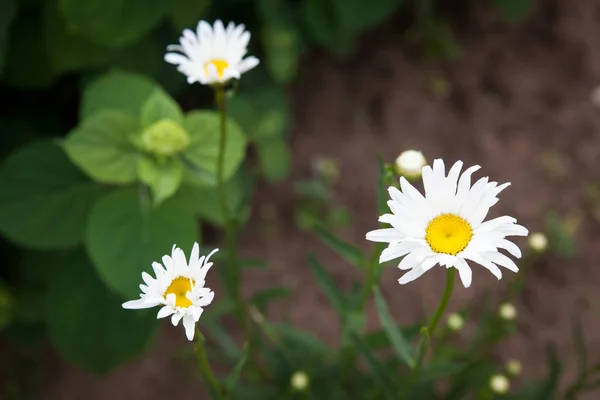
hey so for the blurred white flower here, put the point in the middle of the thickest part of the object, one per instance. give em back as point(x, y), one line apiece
point(446, 225)
point(299, 380)
point(213, 54)
point(178, 287)
point(499, 384)
point(410, 163)
point(507, 311)
point(455, 322)
point(513, 367)
point(538, 242)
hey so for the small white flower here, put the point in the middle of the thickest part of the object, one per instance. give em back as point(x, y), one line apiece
point(178, 287)
point(455, 322)
point(507, 312)
point(538, 242)
point(213, 54)
point(513, 367)
point(410, 163)
point(499, 384)
point(299, 381)
point(446, 225)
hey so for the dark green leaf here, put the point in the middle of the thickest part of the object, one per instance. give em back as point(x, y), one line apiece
point(379, 373)
point(113, 22)
point(327, 285)
point(400, 344)
point(45, 199)
point(263, 114)
point(349, 252)
point(275, 159)
point(162, 176)
point(87, 324)
point(160, 106)
point(514, 10)
point(8, 11)
point(187, 13)
point(232, 379)
point(125, 235)
point(434, 372)
point(262, 298)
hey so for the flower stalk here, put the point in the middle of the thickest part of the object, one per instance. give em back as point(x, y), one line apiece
point(215, 389)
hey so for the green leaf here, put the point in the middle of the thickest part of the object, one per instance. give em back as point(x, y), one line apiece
point(160, 106)
point(357, 15)
point(125, 235)
point(66, 50)
point(263, 114)
point(349, 252)
point(232, 379)
point(187, 13)
point(514, 10)
point(117, 90)
point(275, 159)
point(101, 147)
point(401, 346)
point(45, 199)
point(322, 20)
point(379, 373)
point(8, 11)
point(382, 194)
point(327, 285)
point(203, 151)
point(87, 324)
point(162, 176)
point(554, 369)
point(113, 22)
point(262, 298)
point(282, 46)
point(434, 372)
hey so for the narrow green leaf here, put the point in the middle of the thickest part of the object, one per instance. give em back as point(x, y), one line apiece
point(327, 285)
point(162, 176)
point(379, 372)
point(349, 252)
point(580, 347)
point(262, 298)
point(160, 106)
point(382, 195)
point(554, 370)
point(232, 379)
point(434, 372)
point(8, 11)
point(401, 346)
point(252, 263)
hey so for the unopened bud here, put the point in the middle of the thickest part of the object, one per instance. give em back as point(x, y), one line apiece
point(410, 163)
point(538, 242)
point(499, 384)
point(507, 312)
point(299, 381)
point(455, 322)
point(513, 367)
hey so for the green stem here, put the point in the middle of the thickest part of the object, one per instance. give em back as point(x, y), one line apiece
point(428, 331)
point(233, 280)
point(215, 389)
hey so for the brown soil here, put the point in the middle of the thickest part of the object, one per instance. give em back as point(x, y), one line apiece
point(517, 93)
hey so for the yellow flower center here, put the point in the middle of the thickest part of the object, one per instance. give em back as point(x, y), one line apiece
point(448, 234)
point(180, 286)
point(220, 64)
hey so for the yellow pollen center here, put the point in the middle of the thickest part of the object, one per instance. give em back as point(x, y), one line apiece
point(220, 64)
point(448, 234)
point(180, 286)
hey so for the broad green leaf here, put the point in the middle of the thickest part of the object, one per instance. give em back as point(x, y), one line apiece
point(118, 90)
point(125, 235)
point(113, 22)
point(66, 50)
point(275, 159)
point(140, 57)
point(282, 45)
point(263, 114)
point(44, 198)
point(262, 298)
point(400, 345)
point(349, 252)
point(322, 21)
point(102, 148)
point(203, 151)
point(187, 13)
point(379, 373)
point(233, 377)
point(8, 11)
point(87, 324)
point(206, 201)
point(162, 176)
point(160, 106)
point(514, 10)
point(356, 15)
point(327, 285)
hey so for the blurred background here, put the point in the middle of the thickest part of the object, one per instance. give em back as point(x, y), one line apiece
point(510, 85)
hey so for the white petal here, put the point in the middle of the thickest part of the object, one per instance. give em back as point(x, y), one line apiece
point(177, 59)
point(194, 256)
point(387, 235)
point(190, 326)
point(159, 271)
point(247, 64)
point(502, 260)
point(138, 304)
point(179, 258)
point(509, 246)
point(411, 275)
point(397, 250)
point(165, 312)
point(464, 271)
point(411, 192)
point(175, 318)
point(148, 280)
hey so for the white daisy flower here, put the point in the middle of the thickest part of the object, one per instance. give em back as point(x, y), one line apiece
point(213, 54)
point(178, 287)
point(446, 225)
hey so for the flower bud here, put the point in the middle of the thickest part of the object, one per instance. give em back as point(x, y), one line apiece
point(165, 138)
point(410, 163)
point(299, 381)
point(507, 312)
point(455, 322)
point(538, 242)
point(513, 367)
point(499, 384)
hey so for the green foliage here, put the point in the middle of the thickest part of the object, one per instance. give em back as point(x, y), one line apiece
point(8, 11)
point(44, 199)
point(514, 10)
point(125, 235)
point(86, 323)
